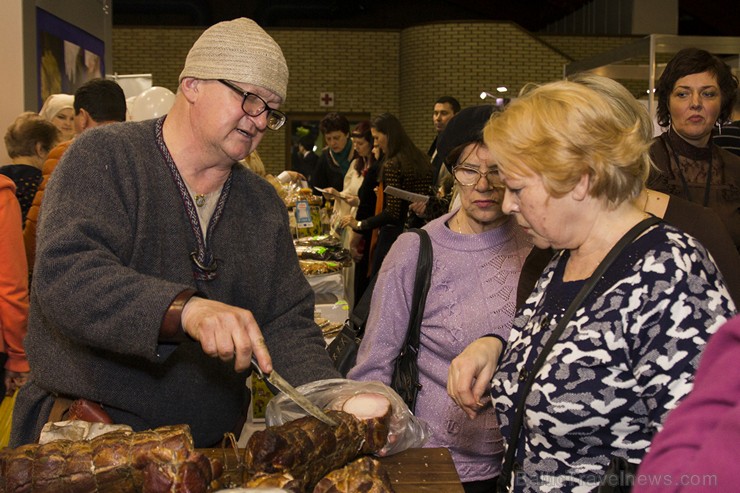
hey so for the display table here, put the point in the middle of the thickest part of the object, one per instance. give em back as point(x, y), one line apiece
point(328, 288)
point(412, 471)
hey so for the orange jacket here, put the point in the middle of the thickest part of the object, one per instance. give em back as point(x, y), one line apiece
point(32, 218)
point(13, 279)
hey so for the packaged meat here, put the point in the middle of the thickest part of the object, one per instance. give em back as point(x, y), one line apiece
point(405, 430)
point(297, 454)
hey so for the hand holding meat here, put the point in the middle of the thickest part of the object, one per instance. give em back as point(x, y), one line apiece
point(226, 332)
point(470, 373)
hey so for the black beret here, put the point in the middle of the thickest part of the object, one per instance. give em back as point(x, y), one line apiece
point(463, 128)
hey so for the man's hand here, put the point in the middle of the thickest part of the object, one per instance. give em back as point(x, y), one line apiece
point(470, 374)
point(226, 332)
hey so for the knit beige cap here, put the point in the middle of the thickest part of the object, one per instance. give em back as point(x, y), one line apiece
point(241, 51)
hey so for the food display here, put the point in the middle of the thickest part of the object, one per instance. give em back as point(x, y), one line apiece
point(364, 474)
point(295, 195)
point(297, 455)
point(319, 267)
point(153, 461)
point(337, 254)
point(319, 240)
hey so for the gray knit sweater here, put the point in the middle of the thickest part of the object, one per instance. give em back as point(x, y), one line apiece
point(113, 251)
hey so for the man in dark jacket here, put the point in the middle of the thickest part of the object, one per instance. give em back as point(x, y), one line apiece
point(163, 265)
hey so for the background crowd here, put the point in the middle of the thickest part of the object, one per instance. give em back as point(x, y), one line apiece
point(158, 230)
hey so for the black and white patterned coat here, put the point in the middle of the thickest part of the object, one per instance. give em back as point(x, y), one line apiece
point(626, 358)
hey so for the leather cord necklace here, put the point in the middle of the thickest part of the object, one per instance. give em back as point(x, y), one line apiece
point(203, 259)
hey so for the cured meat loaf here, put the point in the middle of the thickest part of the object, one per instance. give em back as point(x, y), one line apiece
point(364, 474)
point(298, 454)
point(153, 461)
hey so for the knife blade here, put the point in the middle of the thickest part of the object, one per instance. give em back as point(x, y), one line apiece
point(292, 393)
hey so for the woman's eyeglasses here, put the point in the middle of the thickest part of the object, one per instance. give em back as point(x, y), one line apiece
point(469, 176)
point(253, 105)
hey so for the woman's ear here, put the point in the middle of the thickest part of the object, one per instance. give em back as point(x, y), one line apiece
point(40, 151)
point(580, 191)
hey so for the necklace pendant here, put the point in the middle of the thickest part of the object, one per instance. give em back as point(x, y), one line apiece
point(200, 199)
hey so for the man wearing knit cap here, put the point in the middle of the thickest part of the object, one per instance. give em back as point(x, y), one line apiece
point(162, 265)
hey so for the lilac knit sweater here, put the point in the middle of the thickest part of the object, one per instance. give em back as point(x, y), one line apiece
point(472, 293)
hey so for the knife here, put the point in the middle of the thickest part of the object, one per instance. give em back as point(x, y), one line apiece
point(283, 386)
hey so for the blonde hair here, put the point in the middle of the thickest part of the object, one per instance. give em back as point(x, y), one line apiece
point(254, 162)
point(564, 130)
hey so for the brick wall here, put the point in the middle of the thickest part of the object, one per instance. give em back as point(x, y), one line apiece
point(370, 72)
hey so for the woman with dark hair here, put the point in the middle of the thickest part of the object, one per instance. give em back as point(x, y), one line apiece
point(405, 167)
point(696, 92)
point(335, 159)
point(347, 201)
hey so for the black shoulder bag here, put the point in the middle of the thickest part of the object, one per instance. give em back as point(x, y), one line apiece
point(405, 380)
point(505, 478)
point(343, 349)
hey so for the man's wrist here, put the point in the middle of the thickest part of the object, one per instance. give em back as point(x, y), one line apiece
point(171, 329)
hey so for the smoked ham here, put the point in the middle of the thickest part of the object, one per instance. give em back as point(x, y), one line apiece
point(153, 461)
point(364, 474)
point(297, 454)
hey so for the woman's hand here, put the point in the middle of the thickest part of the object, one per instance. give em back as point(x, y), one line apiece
point(418, 208)
point(356, 246)
point(330, 193)
point(470, 374)
point(347, 220)
point(15, 380)
point(352, 200)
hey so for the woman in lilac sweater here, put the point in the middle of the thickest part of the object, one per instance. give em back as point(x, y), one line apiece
point(699, 447)
point(478, 255)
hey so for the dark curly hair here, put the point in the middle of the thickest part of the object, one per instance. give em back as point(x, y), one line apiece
point(334, 122)
point(695, 61)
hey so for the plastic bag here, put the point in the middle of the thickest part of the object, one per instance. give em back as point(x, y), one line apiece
point(6, 418)
point(405, 431)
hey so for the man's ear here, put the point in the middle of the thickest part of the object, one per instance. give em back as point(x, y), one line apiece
point(190, 87)
point(84, 120)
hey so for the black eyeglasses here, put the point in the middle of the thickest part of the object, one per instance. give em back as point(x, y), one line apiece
point(468, 176)
point(253, 105)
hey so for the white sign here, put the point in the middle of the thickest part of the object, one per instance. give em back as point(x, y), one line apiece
point(326, 99)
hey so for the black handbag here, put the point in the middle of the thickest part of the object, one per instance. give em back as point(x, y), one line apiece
point(405, 380)
point(343, 349)
point(619, 476)
point(504, 479)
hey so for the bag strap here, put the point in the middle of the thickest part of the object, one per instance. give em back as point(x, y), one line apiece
point(421, 288)
point(629, 237)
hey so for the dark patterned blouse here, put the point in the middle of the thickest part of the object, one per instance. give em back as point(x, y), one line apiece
point(626, 358)
point(27, 179)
